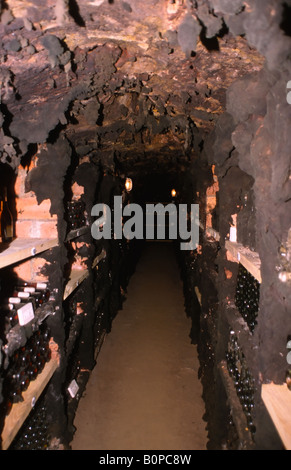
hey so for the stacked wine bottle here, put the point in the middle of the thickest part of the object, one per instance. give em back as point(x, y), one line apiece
point(25, 365)
point(34, 433)
point(247, 297)
point(76, 217)
point(21, 306)
point(243, 380)
point(99, 326)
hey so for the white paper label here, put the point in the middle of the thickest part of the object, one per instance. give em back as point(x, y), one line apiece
point(232, 234)
point(23, 295)
point(29, 289)
point(73, 388)
point(14, 300)
point(25, 314)
point(41, 285)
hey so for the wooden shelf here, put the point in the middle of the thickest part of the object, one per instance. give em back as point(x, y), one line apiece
point(239, 325)
point(77, 233)
point(79, 275)
point(20, 411)
point(99, 258)
point(210, 232)
point(249, 259)
point(277, 399)
point(198, 295)
point(76, 278)
point(23, 248)
point(238, 415)
point(18, 331)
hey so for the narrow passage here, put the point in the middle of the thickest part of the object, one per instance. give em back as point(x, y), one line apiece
point(144, 393)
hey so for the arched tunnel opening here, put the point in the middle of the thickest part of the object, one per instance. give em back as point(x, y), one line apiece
point(117, 332)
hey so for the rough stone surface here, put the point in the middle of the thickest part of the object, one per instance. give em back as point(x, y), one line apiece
point(172, 88)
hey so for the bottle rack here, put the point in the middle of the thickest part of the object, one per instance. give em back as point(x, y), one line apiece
point(18, 251)
point(243, 330)
point(77, 276)
point(20, 411)
point(77, 233)
point(276, 398)
point(232, 230)
point(241, 254)
point(249, 259)
point(238, 416)
point(228, 315)
point(23, 255)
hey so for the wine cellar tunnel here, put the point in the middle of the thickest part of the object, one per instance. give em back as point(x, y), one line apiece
point(122, 103)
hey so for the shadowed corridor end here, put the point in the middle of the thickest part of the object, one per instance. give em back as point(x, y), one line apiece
point(144, 393)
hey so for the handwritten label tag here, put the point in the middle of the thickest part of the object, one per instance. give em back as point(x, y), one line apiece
point(25, 314)
point(73, 388)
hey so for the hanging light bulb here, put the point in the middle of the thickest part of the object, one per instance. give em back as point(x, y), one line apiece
point(174, 193)
point(128, 184)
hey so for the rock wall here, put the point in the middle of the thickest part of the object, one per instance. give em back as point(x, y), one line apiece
point(198, 85)
point(249, 148)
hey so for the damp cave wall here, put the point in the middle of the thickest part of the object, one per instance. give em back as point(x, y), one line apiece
point(215, 287)
point(78, 322)
point(249, 151)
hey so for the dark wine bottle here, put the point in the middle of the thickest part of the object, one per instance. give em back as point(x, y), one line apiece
point(7, 225)
point(21, 298)
point(247, 297)
point(12, 389)
point(22, 379)
point(35, 285)
point(38, 290)
point(34, 434)
point(25, 310)
point(243, 381)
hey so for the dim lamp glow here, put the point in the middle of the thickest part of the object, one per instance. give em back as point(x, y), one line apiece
point(128, 184)
point(174, 193)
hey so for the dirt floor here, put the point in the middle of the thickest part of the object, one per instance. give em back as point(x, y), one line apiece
point(144, 393)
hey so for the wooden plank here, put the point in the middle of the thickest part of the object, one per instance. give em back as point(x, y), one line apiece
point(249, 259)
point(100, 344)
point(99, 258)
point(78, 275)
point(198, 295)
point(76, 278)
point(20, 411)
point(277, 399)
point(210, 232)
point(23, 248)
point(77, 233)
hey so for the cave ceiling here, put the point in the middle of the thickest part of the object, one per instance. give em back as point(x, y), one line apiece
point(140, 81)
